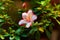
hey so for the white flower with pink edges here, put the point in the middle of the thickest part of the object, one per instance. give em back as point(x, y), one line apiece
point(28, 18)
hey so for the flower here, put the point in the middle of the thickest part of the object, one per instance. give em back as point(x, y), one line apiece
point(28, 18)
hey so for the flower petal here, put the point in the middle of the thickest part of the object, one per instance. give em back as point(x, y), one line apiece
point(34, 17)
point(30, 12)
point(24, 15)
point(28, 25)
point(22, 22)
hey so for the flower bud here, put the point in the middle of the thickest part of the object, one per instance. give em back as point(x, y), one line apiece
point(24, 5)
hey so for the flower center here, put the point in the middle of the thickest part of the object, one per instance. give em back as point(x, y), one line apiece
point(28, 18)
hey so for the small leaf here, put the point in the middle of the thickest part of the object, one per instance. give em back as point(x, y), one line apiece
point(24, 35)
point(18, 31)
point(41, 29)
point(37, 35)
point(58, 21)
point(6, 35)
point(1, 16)
point(1, 3)
point(1, 36)
point(17, 37)
point(43, 3)
point(47, 25)
point(1, 24)
point(6, 16)
point(33, 30)
point(48, 34)
point(11, 38)
point(38, 2)
point(2, 20)
point(2, 8)
point(35, 23)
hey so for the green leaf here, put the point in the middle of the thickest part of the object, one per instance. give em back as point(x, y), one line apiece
point(37, 35)
point(1, 24)
point(2, 20)
point(58, 6)
point(58, 21)
point(6, 35)
point(47, 1)
point(33, 30)
point(17, 37)
point(48, 34)
point(6, 16)
point(2, 7)
point(34, 24)
point(38, 2)
point(1, 3)
point(47, 25)
point(24, 34)
point(18, 31)
point(1, 36)
point(11, 38)
point(43, 3)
